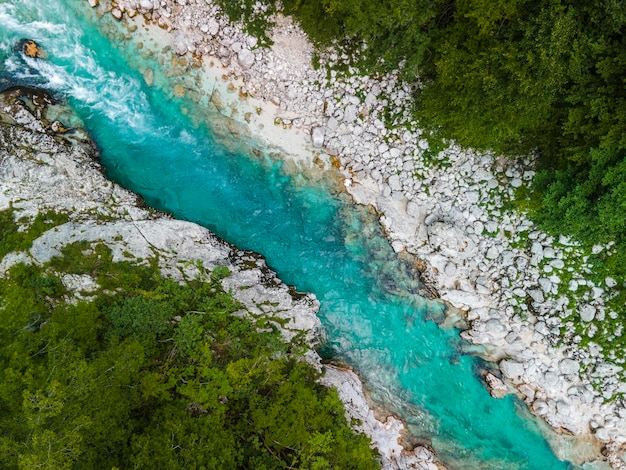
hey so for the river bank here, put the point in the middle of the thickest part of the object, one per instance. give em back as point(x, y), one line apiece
point(46, 166)
point(444, 207)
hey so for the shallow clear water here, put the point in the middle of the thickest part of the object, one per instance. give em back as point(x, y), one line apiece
point(374, 318)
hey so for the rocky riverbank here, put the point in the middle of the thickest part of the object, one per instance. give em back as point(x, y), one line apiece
point(514, 283)
point(44, 166)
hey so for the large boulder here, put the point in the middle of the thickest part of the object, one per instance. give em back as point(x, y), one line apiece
point(569, 366)
point(512, 370)
point(450, 240)
point(317, 136)
point(587, 313)
point(31, 49)
point(245, 57)
point(497, 388)
point(179, 44)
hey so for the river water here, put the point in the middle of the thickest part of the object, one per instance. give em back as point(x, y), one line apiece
point(315, 239)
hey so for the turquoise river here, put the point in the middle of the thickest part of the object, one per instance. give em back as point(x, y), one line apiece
point(315, 239)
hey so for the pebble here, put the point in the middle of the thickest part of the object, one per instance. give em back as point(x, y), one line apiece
point(318, 137)
point(587, 313)
point(545, 284)
point(245, 58)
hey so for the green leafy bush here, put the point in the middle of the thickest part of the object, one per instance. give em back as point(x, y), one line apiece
point(12, 238)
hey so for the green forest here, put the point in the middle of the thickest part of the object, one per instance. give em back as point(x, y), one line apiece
point(144, 372)
point(516, 77)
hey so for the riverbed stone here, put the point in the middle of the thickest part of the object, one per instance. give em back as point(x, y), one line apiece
point(569, 366)
point(178, 43)
point(32, 49)
point(148, 76)
point(536, 295)
point(318, 137)
point(472, 197)
point(492, 253)
point(245, 57)
point(431, 218)
point(394, 183)
point(497, 388)
point(413, 209)
point(512, 369)
point(545, 284)
point(587, 313)
point(540, 407)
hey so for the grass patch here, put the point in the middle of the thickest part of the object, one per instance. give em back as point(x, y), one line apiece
point(18, 235)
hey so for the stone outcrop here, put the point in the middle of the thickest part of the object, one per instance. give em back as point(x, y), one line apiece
point(31, 49)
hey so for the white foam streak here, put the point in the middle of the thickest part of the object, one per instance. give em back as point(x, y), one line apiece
point(72, 69)
point(118, 98)
point(186, 138)
point(52, 28)
point(10, 18)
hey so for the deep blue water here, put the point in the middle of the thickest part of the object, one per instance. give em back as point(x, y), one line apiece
point(316, 240)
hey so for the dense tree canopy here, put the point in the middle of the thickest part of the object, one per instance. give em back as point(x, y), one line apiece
point(149, 373)
point(549, 78)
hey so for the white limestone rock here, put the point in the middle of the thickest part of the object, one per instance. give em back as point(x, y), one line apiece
point(351, 113)
point(569, 366)
point(317, 136)
point(450, 240)
point(472, 197)
point(213, 27)
point(413, 209)
point(497, 388)
point(587, 313)
point(512, 370)
point(540, 407)
point(606, 369)
point(245, 58)
point(117, 13)
point(545, 284)
point(332, 123)
point(492, 253)
point(179, 43)
point(557, 263)
point(536, 295)
point(394, 183)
